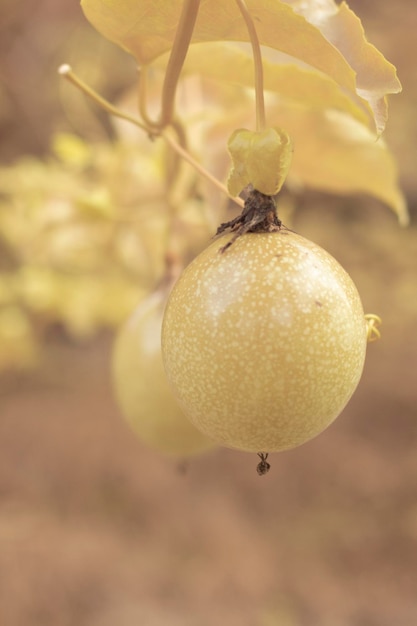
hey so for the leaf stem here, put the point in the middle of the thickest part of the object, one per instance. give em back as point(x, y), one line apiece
point(68, 74)
point(66, 71)
point(258, 67)
point(176, 59)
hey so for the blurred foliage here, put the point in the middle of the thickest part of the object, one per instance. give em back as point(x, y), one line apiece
point(83, 236)
point(325, 36)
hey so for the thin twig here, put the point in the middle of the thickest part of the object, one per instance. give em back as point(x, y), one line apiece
point(66, 72)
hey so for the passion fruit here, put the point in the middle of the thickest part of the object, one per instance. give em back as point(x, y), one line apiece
point(264, 341)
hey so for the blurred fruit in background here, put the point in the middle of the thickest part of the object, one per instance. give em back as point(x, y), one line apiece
point(141, 387)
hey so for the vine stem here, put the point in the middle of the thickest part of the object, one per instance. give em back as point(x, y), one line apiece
point(67, 72)
point(258, 67)
point(179, 50)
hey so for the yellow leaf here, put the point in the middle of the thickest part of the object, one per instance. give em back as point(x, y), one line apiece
point(375, 76)
point(335, 153)
point(303, 85)
point(332, 151)
point(146, 28)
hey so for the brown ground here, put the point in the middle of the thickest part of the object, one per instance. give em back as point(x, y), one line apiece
point(96, 530)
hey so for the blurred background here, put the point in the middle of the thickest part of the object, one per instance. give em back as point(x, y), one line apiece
point(95, 528)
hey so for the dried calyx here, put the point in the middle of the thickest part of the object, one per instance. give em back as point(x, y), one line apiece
point(259, 215)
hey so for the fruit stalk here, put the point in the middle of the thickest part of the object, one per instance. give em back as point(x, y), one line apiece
point(259, 215)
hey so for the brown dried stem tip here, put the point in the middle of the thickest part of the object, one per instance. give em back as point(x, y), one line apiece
point(263, 467)
point(259, 215)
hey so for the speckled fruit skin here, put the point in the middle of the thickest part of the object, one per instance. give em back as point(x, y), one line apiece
point(265, 343)
point(141, 387)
